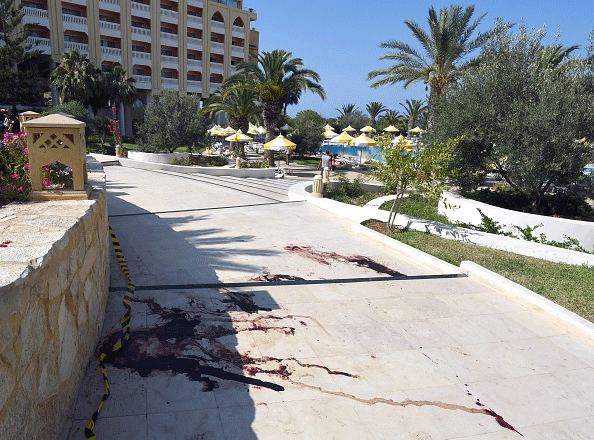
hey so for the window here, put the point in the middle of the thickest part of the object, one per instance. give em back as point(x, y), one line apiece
point(138, 48)
point(137, 71)
point(139, 24)
point(192, 77)
point(167, 30)
point(167, 52)
point(69, 11)
point(107, 18)
point(167, 74)
point(192, 56)
point(74, 39)
point(215, 39)
point(107, 43)
point(193, 35)
point(34, 5)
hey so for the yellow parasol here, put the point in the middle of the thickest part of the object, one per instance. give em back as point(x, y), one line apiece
point(416, 130)
point(329, 134)
point(391, 129)
point(367, 129)
point(349, 128)
point(363, 141)
point(238, 137)
point(328, 127)
point(280, 143)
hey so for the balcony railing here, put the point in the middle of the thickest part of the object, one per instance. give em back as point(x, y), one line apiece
point(217, 26)
point(238, 30)
point(237, 51)
point(34, 12)
point(74, 19)
point(168, 36)
point(141, 31)
point(194, 86)
point(108, 25)
point(112, 51)
point(136, 55)
point(195, 64)
point(217, 47)
point(169, 16)
point(38, 43)
point(194, 20)
point(81, 47)
point(143, 81)
point(167, 59)
point(194, 42)
point(216, 68)
point(231, 3)
point(110, 2)
point(135, 6)
point(195, 3)
point(169, 82)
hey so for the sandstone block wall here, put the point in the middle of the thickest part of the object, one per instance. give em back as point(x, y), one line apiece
point(54, 280)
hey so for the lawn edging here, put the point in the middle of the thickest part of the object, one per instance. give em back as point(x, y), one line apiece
point(516, 292)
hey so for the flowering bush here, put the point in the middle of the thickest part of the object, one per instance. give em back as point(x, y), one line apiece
point(114, 128)
point(14, 167)
point(15, 182)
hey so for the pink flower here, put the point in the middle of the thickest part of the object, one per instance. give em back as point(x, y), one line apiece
point(26, 150)
point(4, 188)
point(15, 175)
point(46, 167)
point(27, 166)
point(46, 183)
point(20, 188)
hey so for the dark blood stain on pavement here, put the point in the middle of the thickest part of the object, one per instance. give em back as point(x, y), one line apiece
point(242, 300)
point(275, 278)
point(325, 258)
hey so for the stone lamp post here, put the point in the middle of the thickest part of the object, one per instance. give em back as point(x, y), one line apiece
point(57, 138)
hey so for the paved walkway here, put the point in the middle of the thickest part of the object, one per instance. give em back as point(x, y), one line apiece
point(260, 318)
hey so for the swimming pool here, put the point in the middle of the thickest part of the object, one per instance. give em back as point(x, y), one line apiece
point(368, 152)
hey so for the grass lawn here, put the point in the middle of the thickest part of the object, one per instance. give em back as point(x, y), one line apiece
point(567, 285)
point(418, 206)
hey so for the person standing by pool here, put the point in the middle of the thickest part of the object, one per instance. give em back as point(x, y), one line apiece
point(325, 161)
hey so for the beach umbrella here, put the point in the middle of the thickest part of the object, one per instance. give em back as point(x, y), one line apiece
point(330, 134)
point(349, 128)
point(238, 137)
point(228, 131)
point(416, 130)
point(363, 141)
point(328, 127)
point(261, 130)
point(342, 138)
point(391, 129)
point(280, 143)
point(407, 144)
point(367, 129)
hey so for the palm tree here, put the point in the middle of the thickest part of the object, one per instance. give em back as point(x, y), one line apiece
point(274, 76)
point(446, 45)
point(76, 78)
point(375, 109)
point(391, 117)
point(239, 104)
point(119, 88)
point(347, 109)
point(413, 110)
point(555, 57)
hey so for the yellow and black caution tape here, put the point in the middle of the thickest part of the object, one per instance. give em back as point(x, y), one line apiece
point(119, 339)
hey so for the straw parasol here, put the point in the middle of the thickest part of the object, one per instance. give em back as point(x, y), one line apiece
point(228, 131)
point(349, 129)
point(367, 129)
point(391, 129)
point(238, 137)
point(330, 134)
point(342, 138)
point(328, 127)
point(363, 141)
point(280, 143)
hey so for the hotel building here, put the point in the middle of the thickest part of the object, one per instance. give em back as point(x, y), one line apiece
point(186, 45)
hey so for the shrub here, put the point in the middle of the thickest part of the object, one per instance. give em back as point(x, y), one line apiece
point(185, 161)
point(14, 168)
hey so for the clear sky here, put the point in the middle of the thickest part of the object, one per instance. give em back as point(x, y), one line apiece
point(340, 39)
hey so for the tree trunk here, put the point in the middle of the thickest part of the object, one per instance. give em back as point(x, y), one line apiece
point(243, 125)
point(432, 106)
point(271, 114)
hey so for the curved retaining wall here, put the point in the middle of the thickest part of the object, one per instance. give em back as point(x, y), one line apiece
point(458, 208)
point(213, 171)
point(54, 281)
point(156, 157)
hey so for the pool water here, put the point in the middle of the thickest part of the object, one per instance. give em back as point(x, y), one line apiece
point(368, 152)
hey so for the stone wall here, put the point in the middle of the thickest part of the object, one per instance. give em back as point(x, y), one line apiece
point(54, 280)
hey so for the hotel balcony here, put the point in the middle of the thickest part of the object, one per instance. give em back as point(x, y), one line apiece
point(217, 26)
point(169, 16)
point(143, 82)
point(216, 68)
point(169, 83)
point(41, 44)
point(194, 86)
point(112, 54)
point(169, 39)
point(141, 34)
point(214, 87)
point(143, 58)
point(83, 48)
point(195, 64)
point(110, 5)
point(238, 31)
point(38, 16)
point(140, 9)
point(216, 47)
point(169, 61)
point(195, 21)
point(237, 51)
point(194, 43)
point(75, 23)
point(110, 29)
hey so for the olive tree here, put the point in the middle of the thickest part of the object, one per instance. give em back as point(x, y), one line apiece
point(520, 117)
point(309, 131)
point(171, 121)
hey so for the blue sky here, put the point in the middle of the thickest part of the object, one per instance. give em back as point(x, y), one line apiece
point(340, 40)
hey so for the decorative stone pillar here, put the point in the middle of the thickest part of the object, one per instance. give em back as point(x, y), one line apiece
point(326, 175)
point(238, 162)
point(57, 138)
point(27, 116)
point(317, 187)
